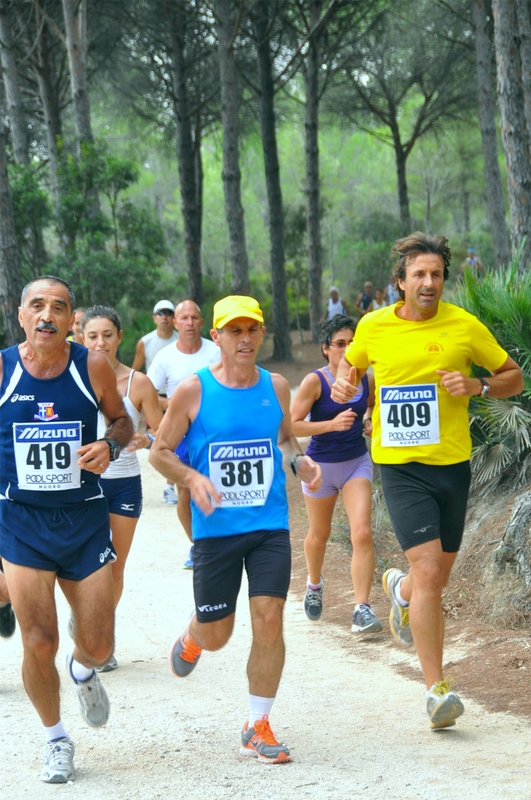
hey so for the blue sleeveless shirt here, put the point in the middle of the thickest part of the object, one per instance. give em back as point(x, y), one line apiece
point(338, 446)
point(43, 421)
point(233, 440)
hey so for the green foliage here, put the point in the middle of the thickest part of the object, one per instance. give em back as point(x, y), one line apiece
point(501, 429)
point(32, 212)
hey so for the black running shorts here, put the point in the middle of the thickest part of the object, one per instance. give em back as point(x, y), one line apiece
point(427, 502)
point(218, 569)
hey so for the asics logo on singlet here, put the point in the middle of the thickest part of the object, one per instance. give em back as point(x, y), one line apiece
point(411, 393)
point(17, 396)
point(221, 452)
point(207, 608)
point(32, 432)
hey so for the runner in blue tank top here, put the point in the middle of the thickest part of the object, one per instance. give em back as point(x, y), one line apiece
point(54, 522)
point(236, 417)
point(338, 444)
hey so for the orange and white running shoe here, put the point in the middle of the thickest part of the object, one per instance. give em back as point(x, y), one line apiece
point(260, 742)
point(185, 654)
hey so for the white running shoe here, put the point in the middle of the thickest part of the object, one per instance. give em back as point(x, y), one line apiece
point(443, 705)
point(170, 495)
point(93, 701)
point(58, 761)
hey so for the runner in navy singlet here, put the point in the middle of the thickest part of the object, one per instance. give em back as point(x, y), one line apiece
point(54, 522)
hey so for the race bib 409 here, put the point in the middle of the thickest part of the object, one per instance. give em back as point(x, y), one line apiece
point(409, 415)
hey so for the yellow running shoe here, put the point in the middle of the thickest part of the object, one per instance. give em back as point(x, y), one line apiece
point(443, 706)
point(399, 616)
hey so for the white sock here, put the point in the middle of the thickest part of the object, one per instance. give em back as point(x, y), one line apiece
point(80, 672)
point(314, 585)
point(258, 706)
point(55, 732)
point(359, 605)
point(401, 601)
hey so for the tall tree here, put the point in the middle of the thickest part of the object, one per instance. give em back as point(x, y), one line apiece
point(261, 17)
point(523, 10)
point(487, 121)
point(227, 28)
point(407, 75)
point(15, 108)
point(188, 147)
point(75, 14)
point(10, 272)
point(515, 135)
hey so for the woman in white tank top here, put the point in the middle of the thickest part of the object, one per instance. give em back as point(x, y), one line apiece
point(121, 483)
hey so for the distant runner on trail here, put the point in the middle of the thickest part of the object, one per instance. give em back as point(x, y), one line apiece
point(422, 350)
point(236, 417)
point(338, 445)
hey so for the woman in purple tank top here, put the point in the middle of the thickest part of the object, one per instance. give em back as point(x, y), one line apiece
point(337, 443)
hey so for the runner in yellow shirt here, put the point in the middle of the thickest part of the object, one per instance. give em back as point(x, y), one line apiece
point(421, 351)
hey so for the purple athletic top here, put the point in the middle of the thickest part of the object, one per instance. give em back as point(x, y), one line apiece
point(338, 445)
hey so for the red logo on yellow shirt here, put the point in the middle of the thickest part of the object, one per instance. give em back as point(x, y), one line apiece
point(433, 347)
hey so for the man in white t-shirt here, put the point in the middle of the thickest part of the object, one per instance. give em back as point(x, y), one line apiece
point(169, 367)
point(164, 334)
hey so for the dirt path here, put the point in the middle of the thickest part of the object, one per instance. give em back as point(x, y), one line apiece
point(355, 726)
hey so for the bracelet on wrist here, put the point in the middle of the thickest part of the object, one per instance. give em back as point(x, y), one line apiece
point(151, 440)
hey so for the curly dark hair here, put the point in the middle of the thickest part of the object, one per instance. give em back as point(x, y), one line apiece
point(408, 248)
point(338, 323)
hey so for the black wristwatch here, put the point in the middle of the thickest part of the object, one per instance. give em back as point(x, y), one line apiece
point(485, 388)
point(293, 463)
point(114, 447)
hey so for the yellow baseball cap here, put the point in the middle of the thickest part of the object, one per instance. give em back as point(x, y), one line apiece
point(235, 306)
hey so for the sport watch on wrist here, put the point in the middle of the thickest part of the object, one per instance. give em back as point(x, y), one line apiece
point(114, 447)
point(485, 388)
point(293, 463)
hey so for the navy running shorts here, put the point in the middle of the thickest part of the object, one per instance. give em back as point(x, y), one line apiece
point(427, 502)
point(124, 495)
point(218, 570)
point(73, 541)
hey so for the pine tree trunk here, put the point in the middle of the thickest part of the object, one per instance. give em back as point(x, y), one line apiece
point(403, 196)
point(487, 122)
point(15, 110)
point(313, 210)
point(230, 109)
point(523, 11)
point(10, 274)
point(515, 136)
point(75, 14)
point(281, 338)
point(50, 106)
point(186, 155)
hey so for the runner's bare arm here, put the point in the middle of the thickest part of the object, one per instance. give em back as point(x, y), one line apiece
point(309, 391)
point(95, 455)
point(307, 469)
point(505, 382)
point(182, 410)
point(140, 355)
point(145, 399)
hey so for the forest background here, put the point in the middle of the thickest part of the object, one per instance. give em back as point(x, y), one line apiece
point(173, 148)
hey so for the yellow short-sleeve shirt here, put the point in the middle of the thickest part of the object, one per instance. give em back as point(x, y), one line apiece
point(411, 406)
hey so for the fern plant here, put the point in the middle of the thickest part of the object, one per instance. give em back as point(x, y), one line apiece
point(501, 429)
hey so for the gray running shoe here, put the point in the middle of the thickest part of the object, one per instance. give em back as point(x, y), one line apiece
point(93, 701)
point(364, 620)
point(111, 665)
point(58, 761)
point(313, 602)
point(399, 616)
point(260, 742)
point(443, 706)
point(184, 655)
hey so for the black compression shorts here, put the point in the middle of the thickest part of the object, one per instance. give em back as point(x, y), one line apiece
point(427, 502)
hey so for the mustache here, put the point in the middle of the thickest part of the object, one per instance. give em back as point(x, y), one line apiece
point(46, 326)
